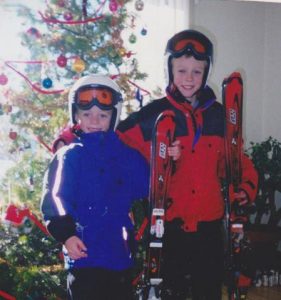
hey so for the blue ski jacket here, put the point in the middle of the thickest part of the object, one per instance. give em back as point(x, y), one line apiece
point(88, 191)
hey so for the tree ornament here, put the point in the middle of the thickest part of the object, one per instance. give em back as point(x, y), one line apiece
point(132, 38)
point(47, 83)
point(78, 65)
point(7, 108)
point(122, 51)
point(144, 31)
point(68, 16)
point(129, 54)
point(33, 32)
point(60, 3)
point(13, 135)
point(118, 61)
point(113, 5)
point(27, 226)
point(139, 4)
point(61, 61)
point(3, 79)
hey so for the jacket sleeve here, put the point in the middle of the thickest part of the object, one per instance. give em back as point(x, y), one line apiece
point(57, 203)
point(130, 131)
point(140, 178)
point(249, 182)
point(66, 136)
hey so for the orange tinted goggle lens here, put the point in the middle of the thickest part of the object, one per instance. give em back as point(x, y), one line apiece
point(103, 96)
point(182, 44)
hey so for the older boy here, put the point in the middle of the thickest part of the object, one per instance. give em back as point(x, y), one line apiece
point(193, 235)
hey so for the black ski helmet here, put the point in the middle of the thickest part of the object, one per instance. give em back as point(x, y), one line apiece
point(96, 81)
point(193, 43)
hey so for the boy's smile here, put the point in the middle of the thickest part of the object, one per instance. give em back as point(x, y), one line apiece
point(93, 119)
point(188, 75)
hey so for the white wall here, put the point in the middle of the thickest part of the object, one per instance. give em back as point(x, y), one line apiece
point(272, 87)
point(247, 38)
point(162, 19)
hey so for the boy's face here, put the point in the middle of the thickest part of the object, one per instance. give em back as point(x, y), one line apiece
point(188, 75)
point(93, 119)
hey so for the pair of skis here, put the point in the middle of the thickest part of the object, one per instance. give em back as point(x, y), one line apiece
point(161, 167)
point(232, 96)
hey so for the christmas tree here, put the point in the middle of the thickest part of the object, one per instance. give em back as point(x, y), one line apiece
point(66, 40)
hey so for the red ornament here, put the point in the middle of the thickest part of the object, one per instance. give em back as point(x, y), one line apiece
point(13, 135)
point(113, 5)
point(129, 54)
point(33, 32)
point(3, 79)
point(61, 61)
point(68, 16)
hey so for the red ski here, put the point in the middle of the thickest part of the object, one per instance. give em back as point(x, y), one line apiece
point(161, 167)
point(233, 102)
point(232, 95)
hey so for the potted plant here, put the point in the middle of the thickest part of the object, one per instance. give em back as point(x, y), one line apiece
point(266, 157)
point(264, 229)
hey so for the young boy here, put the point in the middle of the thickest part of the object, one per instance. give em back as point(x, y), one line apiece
point(193, 242)
point(88, 191)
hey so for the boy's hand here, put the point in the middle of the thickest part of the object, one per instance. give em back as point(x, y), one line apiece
point(175, 150)
point(75, 248)
point(240, 203)
point(241, 197)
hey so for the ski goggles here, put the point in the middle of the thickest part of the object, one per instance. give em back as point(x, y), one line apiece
point(198, 47)
point(103, 97)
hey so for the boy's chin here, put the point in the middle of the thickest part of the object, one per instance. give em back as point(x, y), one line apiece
point(93, 130)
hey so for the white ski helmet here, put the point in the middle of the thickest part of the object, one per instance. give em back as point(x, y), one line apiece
point(100, 83)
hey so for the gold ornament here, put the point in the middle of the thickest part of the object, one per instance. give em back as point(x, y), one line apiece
point(122, 51)
point(78, 65)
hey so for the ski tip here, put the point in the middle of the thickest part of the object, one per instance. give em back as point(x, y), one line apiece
point(233, 76)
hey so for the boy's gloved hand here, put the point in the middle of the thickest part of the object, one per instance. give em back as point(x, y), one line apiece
point(239, 205)
point(175, 150)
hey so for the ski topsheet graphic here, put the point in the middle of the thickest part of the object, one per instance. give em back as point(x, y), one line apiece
point(232, 95)
point(233, 103)
point(161, 167)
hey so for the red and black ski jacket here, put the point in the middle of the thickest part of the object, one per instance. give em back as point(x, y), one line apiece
point(195, 188)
